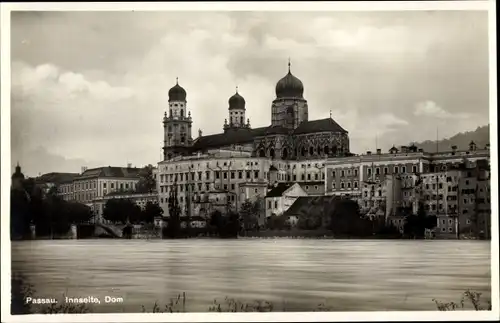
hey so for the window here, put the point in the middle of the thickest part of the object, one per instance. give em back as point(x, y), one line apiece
point(342, 185)
point(232, 175)
point(316, 187)
point(403, 169)
point(307, 187)
point(275, 204)
point(450, 229)
point(256, 191)
point(355, 172)
point(355, 185)
point(414, 169)
point(308, 177)
point(348, 184)
point(377, 171)
point(333, 185)
point(369, 171)
point(386, 170)
point(333, 173)
point(342, 173)
point(396, 170)
point(268, 204)
point(224, 175)
point(256, 174)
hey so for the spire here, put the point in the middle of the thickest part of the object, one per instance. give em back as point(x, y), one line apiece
point(330, 114)
point(236, 88)
point(289, 65)
point(177, 81)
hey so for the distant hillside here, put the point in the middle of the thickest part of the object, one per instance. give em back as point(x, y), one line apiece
point(481, 136)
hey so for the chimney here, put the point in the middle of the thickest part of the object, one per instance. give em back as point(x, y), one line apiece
point(368, 152)
point(200, 133)
point(379, 151)
point(84, 168)
point(129, 165)
point(454, 149)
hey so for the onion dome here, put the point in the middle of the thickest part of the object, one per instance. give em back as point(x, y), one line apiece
point(177, 93)
point(236, 102)
point(289, 86)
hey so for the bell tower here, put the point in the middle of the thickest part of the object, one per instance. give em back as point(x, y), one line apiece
point(177, 124)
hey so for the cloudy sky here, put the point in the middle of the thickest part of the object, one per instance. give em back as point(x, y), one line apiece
point(90, 88)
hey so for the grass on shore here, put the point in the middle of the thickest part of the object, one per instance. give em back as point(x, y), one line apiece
point(21, 290)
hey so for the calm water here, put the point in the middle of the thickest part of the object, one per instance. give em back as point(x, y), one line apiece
point(346, 275)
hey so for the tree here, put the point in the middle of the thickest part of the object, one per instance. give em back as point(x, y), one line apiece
point(121, 211)
point(146, 183)
point(276, 222)
point(174, 211)
point(346, 219)
point(20, 214)
point(151, 210)
point(249, 214)
point(415, 224)
point(78, 212)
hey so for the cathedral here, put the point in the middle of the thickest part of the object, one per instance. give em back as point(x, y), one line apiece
point(290, 136)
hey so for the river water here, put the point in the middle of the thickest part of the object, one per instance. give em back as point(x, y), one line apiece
point(293, 274)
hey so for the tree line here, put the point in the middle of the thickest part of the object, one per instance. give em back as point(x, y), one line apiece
point(50, 214)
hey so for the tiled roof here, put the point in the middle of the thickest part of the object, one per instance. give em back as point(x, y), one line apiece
point(57, 177)
point(111, 171)
point(311, 183)
point(243, 135)
point(232, 137)
point(321, 125)
point(310, 204)
point(278, 190)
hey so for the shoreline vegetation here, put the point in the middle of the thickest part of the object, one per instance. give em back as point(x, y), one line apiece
point(39, 214)
point(470, 300)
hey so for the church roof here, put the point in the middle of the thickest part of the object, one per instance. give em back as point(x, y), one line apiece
point(244, 135)
point(236, 136)
point(110, 171)
point(321, 125)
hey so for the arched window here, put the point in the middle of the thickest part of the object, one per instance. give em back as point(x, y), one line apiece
point(241, 120)
point(271, 153)
point(262, 153)
point(311, 151)
point(334, 150)
point(284, 155)
point(171, 113)
point(326, 150)
point(182, 113)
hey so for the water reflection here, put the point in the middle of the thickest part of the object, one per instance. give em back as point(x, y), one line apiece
point(348, 275)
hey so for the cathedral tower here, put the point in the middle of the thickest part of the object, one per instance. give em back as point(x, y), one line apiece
point(289, 109)
point(177, 124)
point(236, 112)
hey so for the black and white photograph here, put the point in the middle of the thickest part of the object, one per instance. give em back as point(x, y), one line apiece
point(227, 161)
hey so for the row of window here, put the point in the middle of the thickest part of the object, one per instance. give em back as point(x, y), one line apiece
point(270, 204)
point(200, 198)
point(93, 185)
point(344, 185)
point(217, 164)
point(208, 175)
point(414, 169)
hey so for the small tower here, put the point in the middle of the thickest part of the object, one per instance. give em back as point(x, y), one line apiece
point(236, 112)
point(17, 178)
point(177, 124)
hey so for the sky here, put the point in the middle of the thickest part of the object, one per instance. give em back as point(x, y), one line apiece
point(90, 88)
